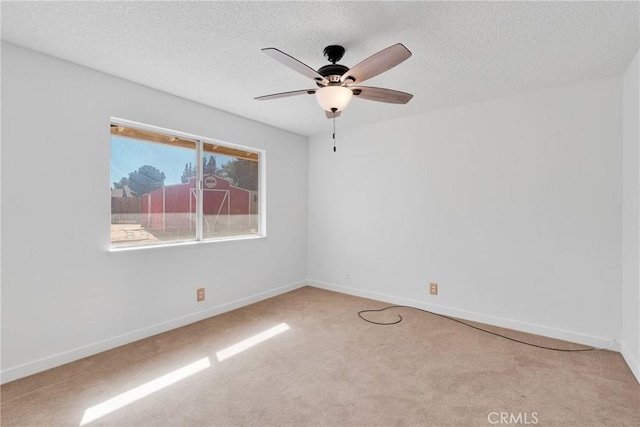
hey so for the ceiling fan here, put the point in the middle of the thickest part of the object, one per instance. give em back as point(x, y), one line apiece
point(337, 84)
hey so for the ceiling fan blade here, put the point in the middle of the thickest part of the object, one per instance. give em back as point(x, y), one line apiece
point(331, 115)
point(377, 63)
point(381, 95)
point(294, 64)
point(286, 94)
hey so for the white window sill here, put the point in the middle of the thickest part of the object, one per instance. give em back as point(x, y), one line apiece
point(183, 244)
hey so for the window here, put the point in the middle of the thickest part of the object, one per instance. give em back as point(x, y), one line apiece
point(171, 187)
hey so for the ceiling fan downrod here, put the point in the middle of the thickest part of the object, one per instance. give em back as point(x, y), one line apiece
point(333, 53)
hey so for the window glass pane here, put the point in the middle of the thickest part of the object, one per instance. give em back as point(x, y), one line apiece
point(230, 192)
point(153, 194)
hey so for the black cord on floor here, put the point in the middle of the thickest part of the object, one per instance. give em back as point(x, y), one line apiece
point(466, 324)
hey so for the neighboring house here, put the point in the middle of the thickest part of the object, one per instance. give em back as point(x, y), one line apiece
point(125, 206)
point(121, 193)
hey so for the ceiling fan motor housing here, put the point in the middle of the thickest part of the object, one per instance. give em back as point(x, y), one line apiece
point(333, 72)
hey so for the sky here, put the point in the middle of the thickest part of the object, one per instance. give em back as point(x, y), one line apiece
point(127, 155)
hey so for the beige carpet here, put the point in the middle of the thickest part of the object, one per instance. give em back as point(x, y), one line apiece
point(329, 368)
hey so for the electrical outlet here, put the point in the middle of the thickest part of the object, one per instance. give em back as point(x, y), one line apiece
point(433, 288)
point(200, 294)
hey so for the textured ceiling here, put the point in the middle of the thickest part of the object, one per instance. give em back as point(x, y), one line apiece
point(209, 52)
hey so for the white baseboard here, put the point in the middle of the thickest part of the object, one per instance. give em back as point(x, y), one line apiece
point(592, 341)
point(633, 363)
point(43, 364)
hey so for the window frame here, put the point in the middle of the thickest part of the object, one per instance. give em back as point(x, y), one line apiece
point(200, 142)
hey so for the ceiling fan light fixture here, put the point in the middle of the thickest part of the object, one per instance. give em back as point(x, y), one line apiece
point(334, 98)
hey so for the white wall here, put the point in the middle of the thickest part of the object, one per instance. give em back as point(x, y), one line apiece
point(513, 206)
point(64, 295)
point(631, 217)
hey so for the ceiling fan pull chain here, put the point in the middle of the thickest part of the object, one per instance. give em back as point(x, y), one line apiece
point(334, 129)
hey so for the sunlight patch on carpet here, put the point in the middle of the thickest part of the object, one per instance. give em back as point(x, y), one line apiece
point(130, 396)
point(250, 342)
